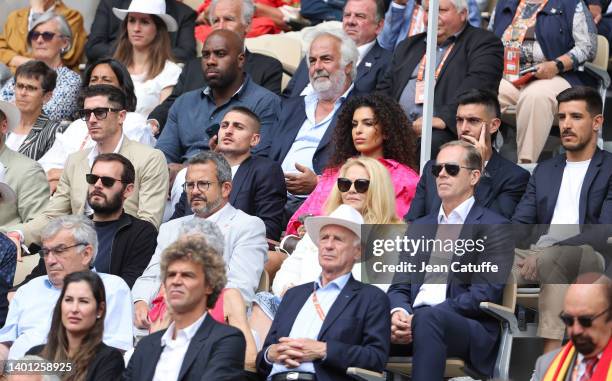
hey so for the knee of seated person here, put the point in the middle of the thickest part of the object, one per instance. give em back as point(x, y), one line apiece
point(426, 316)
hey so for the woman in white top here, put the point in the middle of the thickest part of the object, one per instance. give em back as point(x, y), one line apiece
point(144, 48)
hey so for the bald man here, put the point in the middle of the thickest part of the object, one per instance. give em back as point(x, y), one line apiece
point(228, 86)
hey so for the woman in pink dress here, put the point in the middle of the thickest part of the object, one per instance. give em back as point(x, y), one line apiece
point(373, 126)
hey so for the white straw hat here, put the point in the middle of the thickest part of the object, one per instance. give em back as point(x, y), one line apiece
point(150, 7)
point(344, 215)
point(6, 192)
point(12, 114)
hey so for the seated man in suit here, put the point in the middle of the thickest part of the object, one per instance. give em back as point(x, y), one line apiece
point(69, 244)
point(227, 86)
point(441, 318)
point(477, 121)
point(362, 21)
point(104, 112)
point(302, 137)
point(208, 185)
point(234, 15)
point(587, 315)
point(258, 186)
point(466, 58)
point(572, 189)
point(105, 28)
point(24, 175)
point(195, 346)
point(324, 327)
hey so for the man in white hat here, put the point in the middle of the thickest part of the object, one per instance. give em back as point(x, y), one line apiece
point(179, 18)
point(336, 322)
point(24, 191)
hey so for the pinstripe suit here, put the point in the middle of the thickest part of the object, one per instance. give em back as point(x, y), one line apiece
point(40, 138)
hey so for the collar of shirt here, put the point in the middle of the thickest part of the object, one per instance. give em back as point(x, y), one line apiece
point(208, 91)
point(216, 215)
point(186, 334)
point(364, 49)
point(451, 39)
point(458, 215)
point(94, 151)
point(339, 282)
point(312, 98)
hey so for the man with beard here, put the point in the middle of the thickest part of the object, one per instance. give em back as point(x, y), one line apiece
point(208, 184)
point(227, 86)
point(126, 243)
point(574, 189)
point(302, 137)
point(587, 315)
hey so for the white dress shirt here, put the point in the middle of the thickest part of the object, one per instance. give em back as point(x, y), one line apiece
point(173, 352)
point(364, 49)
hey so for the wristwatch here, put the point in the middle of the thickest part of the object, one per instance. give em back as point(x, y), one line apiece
point(560, 66)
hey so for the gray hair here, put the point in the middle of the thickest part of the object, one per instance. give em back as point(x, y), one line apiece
point(64, 27)
point(38, 359)
point(472, 156)
point(224, 171)
point(247, 7)
point(81, 227)
point(459, 4)
point(348, 49)
point(208, 230)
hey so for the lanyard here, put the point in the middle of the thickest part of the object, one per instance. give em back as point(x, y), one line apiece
point(517, 30)
point(84, 142)
point(438, 69)
point(315, 301)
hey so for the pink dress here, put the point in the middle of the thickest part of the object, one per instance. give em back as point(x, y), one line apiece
point(404, 180)
point(158, 308)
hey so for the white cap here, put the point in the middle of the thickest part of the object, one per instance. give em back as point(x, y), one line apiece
point(6, 192)
point(150, 7)
point(344, 215)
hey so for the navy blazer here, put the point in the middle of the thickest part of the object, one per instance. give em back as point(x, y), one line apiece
point(370, 71)
point(216, 352)
point(357, 330)
point(464, 291)
point(258, 189)
point(500, 189)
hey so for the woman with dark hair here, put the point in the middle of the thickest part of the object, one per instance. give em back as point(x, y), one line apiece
point(144, 48)
point(76, 331)
point(380, 130)
point(76, 137)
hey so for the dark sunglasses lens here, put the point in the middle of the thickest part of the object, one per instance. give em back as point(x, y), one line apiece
point(344, 184)
point(106, 181)
point(100, 113)
point(436, 169)
point(452, 169)
point(91, 179)
point(585, 321)
point(362, 185)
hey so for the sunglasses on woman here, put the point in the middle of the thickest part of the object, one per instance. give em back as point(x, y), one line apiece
point(585, 321)
point(451, 169)
point(361, 185)
point(47, 36)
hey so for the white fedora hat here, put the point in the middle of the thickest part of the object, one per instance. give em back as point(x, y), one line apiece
point(12, 113)
point(7, 194)
point(150, 7)
point(344, 215)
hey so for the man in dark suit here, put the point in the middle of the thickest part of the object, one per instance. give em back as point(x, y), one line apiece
point(437, 313)
point(466, 58)
point(258, 185)
point(362, 21)
point(503, 183)
point(264, 70)
point(106, 26)
point(572, 189)
point(195, 346)
point(334, 323)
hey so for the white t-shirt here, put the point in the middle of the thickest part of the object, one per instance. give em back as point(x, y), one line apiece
point(14, 141)
point(148, 91)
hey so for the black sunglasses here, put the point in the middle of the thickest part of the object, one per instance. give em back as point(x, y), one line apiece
point(107, 182)
point(585, 321)
point(100, 112)
point(451, 169)
point(47, 36)
point(361, 185)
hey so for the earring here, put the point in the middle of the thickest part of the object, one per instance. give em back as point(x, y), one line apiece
point(99, 316)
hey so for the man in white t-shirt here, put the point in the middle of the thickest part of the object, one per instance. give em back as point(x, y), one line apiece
point(567, 192)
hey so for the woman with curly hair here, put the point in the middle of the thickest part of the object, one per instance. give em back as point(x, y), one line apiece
point(380, 130)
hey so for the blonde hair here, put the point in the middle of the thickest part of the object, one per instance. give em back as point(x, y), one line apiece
point(379, 205)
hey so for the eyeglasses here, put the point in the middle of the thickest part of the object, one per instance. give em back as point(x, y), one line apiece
point(59, 250)
point(47, 36)
point(585, 321)
point(202, 186)
point(472, 121)
point(100, 112)
point(361, 185)
point(451, 169)
point(107, 182)
point(27, 88)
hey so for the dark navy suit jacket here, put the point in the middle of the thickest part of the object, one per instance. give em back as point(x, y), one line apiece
point(370, 71)
point(464, 291)
point(500, 189)
point(258, 189)
point(357, 330)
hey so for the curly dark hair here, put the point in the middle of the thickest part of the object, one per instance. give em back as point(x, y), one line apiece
point(399, 141)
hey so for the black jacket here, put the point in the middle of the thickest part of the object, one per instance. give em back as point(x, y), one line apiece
point(265, 71)
point(133, 246)
point(105, 30)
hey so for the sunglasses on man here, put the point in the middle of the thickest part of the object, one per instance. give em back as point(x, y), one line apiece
point(361, 185)
point(99, 112)
point(107, 182)
point(451, 169)
point(585, 321)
